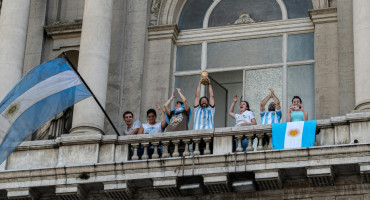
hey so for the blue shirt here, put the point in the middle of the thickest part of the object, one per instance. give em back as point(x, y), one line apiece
point(203, 117)
point(271, 117)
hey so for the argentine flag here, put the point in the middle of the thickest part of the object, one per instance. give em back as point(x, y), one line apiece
point(44, 92)
point(293, 134)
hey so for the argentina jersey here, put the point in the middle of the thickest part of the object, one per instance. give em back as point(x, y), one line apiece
point(203, 117)
point(270, 117)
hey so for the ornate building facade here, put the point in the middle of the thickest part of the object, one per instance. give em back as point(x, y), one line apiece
point(134, 53)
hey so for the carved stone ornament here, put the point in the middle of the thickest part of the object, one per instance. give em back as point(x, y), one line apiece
point(154, 11)
point(244, 18)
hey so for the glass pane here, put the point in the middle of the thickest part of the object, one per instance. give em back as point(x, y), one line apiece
point(300, 47)
point(301, 83)
point(188, 85)
point(245, 52)
point(188, 57)
point(192, 15)
point(298, 8)
point(228, 11)
point(257, 84)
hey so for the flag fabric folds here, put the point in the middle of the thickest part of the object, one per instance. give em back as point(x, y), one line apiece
point(44, 92)
point(293, 134)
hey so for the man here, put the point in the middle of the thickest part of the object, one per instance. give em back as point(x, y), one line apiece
point(132, 127)
point(178, 118)
point(273, 115)
point(204, 109)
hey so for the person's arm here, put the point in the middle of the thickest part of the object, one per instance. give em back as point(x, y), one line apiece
point(231, 110)
point(163, 123)
point(263, 102)
point(211, 95)
point(135, 127)
point(183, 98)
point(305, 113)
point(253, 121)
point(290, 110)
point(276, 100)
point(166, 108)
point(135, 131)
point(197, 94)
point(141, 130)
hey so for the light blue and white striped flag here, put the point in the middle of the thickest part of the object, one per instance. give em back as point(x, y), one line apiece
point(44, 92)
point(293, 134)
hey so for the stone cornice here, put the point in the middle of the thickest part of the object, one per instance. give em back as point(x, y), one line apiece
point(163, 32)
point(272, 160)
point(245, 31)
point(326, 15)
point(60, 30)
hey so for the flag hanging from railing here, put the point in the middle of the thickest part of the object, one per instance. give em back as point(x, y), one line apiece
point(293, 134)
point(44, 92)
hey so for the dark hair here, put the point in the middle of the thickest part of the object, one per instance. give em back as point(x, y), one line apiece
point(151, 111)
point(202, 98)
point(180, 102)
point(246, 102)
point(127, 112)
point(297, 97)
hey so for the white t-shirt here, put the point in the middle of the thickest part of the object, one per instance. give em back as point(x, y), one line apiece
point(136, 125)
point(246, 116)
point(151, 129)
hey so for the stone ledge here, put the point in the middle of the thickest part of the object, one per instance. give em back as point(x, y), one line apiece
point(320, 176)
point(325, 15)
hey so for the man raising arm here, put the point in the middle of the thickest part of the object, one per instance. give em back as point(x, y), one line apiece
point(204, 109)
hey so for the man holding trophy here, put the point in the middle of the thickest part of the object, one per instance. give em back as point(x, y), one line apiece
point(204, 108)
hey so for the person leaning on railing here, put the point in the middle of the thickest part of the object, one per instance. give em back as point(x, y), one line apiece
point(245, 118)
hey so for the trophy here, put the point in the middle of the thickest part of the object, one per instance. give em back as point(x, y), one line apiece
point(204, 75)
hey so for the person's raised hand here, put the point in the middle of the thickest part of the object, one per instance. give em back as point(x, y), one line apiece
point(271, 92)
point(158, 106)
point(235, 98)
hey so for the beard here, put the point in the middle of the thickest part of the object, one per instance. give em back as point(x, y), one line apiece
point(271, 109)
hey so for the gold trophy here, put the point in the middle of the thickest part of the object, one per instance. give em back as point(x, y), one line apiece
point(204, 75)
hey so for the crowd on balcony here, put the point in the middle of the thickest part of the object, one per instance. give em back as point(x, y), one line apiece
point(178, 118)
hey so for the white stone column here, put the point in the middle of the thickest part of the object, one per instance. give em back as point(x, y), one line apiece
point(13, 34)
point(93, 64)
point(361, 43)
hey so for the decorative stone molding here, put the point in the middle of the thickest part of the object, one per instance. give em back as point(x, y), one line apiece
point(163, 32)
point(244, 18)
point(22, 194)
point(269, 179)
point(167, 187)
point(118, 190)
point(65, 34)
point(70, 192)
point(320, 176)
point(154, 12)
point(365, 172)
point(245, 31)
point(217, 183)
point(327, 15)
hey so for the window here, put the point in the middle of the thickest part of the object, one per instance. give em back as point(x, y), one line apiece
point(247, 46)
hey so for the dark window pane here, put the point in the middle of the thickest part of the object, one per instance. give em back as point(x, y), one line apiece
point(298, 8)
point(245, 52)
point(193, 13)
point(301, 82)
point(227, 11)
point(300, 47)
point(189, 57)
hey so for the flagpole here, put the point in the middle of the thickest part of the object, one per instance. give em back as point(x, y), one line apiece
point(92, 94)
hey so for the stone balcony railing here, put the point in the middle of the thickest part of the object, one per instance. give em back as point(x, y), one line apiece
point(77, 166)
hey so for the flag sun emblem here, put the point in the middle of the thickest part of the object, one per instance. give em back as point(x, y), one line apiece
point(294, 132)
point(12, 110)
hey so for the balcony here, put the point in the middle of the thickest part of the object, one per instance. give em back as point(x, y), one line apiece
point(88, 166)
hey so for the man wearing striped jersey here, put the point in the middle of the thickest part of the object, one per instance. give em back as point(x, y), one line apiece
point(273, 115)
point(204, 109)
